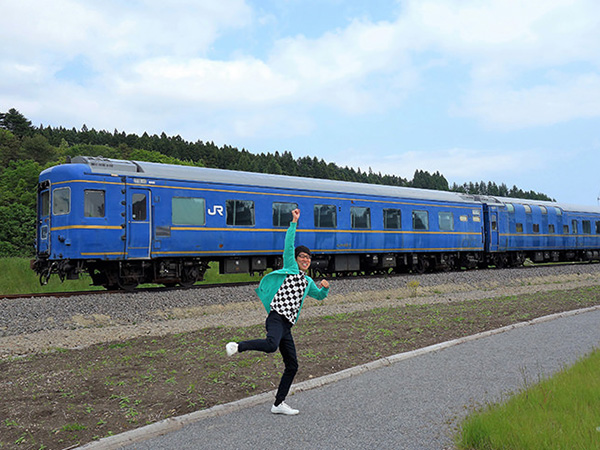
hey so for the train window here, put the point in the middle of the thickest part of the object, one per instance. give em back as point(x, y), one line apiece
point(360, 217)
point(597, 227)
point(188, 211)
point(551, 228)
point(45, 201)
point(61, 201)
point(325, 216)
point(574, 227)
point(240, 212)
point(420, 220)
point(93, 203)
point(510, 207)
point(446, 220)
point(587, 227)
point(392, 219)
point(558, 211)
point(282, 214)
point(527, 209)
point(536, 227)
point(565, 229)
point(519, 227)
point(138, 207)
point(544, 210)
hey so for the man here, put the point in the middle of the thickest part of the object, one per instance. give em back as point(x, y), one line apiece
point(282, 293)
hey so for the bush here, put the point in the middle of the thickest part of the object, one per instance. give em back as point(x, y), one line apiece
point(17, 231)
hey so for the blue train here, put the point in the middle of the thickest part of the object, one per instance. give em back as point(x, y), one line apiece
point(132, 222)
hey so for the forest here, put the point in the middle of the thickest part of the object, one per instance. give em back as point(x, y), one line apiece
point(26, 150)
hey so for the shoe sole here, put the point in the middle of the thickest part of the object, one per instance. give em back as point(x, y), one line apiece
point(284, 413)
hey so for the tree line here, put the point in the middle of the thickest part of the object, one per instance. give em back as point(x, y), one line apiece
point(26, 150)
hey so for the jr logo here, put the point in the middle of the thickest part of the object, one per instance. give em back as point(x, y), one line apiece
point(217, 209)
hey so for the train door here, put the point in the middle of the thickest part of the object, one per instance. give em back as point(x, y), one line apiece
point(139, 223)
point(43, 214)
point(492, 235)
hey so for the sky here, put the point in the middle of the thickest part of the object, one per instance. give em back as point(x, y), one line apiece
point(506, 91)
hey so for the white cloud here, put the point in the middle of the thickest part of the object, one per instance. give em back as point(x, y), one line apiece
point(273, 124)
point(331, 70)
point(218, 83)
point(512, 32)
point(512, 50)
point(459, 164)
point(36, 27)
point(512, 108)
point(335, 68)
point(152, 52)
point(115, 28)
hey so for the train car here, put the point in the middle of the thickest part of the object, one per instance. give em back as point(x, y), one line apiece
point(518, 229)
point(131, 222)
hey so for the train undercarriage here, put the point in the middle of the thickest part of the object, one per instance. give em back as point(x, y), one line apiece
point(125, 275)
point(185, 272)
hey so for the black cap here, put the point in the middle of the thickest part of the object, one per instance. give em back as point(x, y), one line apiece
point(302, 249)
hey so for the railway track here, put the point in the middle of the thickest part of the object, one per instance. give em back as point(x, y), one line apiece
point(160, 289)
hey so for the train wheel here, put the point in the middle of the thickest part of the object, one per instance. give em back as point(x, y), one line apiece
point(421, 266)
point(454, 263)
point(110, 279)
point(127, 284)
point(189, 275)
point(500, 261)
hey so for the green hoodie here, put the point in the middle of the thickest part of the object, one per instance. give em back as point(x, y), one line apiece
point(271, 283)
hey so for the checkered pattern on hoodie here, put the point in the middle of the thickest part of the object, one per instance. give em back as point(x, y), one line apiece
point(288, 298)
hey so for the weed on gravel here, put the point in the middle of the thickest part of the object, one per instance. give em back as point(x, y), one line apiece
point(69, 397)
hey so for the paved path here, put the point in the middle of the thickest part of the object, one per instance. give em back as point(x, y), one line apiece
point(414, 403)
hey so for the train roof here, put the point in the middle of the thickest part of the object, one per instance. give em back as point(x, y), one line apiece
point(240, 178)
point(563, 206)
point(203, 174)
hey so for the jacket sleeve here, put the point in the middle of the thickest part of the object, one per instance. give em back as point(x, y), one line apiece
point(289, 257)
point(315, 292)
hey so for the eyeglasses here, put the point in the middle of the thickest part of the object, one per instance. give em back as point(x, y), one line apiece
point(304, 256)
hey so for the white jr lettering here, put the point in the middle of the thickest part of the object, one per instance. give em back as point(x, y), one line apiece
point(217, 209)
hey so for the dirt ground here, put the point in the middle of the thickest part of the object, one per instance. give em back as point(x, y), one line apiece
point(65, 398)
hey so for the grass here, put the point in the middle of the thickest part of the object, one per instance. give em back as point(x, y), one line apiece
point(562, 412)
point(18, 278)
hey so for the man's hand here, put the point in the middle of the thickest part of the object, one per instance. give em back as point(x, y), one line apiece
point(324, 284)
point(295, 215)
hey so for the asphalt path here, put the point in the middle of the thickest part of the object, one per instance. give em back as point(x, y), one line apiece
point(409, 401)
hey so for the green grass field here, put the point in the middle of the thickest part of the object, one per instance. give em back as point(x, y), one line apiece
point(562, 412)
point(18, 278)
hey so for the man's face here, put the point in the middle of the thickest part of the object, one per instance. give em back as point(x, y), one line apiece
point(303, 261)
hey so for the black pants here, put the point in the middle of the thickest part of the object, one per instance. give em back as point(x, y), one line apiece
point(279, 335)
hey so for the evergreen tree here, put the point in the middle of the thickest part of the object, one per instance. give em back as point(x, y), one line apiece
point(9, 147)
point(16, 123)
point(37, 149)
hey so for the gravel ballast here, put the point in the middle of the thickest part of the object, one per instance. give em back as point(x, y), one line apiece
point(43, 323)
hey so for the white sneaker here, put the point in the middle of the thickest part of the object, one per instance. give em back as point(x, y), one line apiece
point(283, 408)
point(232, 348)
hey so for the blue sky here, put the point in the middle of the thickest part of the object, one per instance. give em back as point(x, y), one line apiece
point(495, 90)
